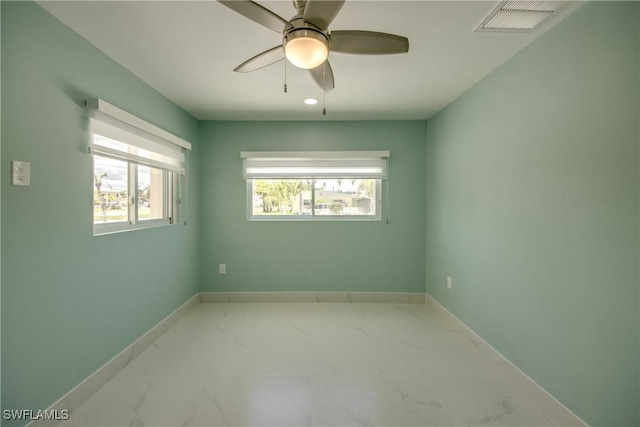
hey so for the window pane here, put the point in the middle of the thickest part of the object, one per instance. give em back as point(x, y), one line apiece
point(281, 197)
point(341, 197)
point(150, 193)
point(110, 194)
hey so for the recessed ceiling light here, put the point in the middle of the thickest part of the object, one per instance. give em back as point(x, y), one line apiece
point(310, 101)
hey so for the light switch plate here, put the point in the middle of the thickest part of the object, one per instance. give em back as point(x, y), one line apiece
point(21, 173)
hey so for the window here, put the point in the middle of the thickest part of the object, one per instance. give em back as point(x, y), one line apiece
point(314, 185)
point(138, 172)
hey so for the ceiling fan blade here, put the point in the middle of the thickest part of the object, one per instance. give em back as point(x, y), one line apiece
point(322, 12)
point(323, 75)
point(257, 13)
point(367, 43)
point(261, 60)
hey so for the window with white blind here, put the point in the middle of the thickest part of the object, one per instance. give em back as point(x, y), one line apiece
point(332, 185)
point(139, 171)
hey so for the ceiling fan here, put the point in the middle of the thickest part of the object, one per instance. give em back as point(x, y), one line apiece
point(307, 41)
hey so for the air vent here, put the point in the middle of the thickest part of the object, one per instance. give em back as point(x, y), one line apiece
point(519, 16)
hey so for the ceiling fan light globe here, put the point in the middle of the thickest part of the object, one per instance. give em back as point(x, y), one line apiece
point(306, 49)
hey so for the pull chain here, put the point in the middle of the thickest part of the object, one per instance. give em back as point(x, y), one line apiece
point(285, 75)
point(324, 89)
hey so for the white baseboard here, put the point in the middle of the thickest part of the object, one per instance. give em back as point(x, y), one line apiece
point(320, 297)
point(80, 393)
point(546, 402)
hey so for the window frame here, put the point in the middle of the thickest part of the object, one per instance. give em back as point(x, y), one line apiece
point(377, 197)
point(170, 202)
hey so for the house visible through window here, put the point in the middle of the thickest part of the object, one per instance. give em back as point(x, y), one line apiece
point(138, 172)
point(314, 185)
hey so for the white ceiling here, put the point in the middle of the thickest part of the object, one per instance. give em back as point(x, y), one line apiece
point(187, 50)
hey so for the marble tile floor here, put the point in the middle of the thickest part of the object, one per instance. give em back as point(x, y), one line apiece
point(310, 364)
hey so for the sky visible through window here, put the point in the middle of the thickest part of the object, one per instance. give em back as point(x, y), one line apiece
point(116, 176)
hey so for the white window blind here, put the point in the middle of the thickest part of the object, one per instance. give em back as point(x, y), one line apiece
point(315, 164)
point(120, 135)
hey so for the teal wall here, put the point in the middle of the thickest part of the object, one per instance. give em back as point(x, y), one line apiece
point(311, 256)
point(533, 209)
point(71, 301)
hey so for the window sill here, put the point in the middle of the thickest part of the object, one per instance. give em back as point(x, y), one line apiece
point(307, 218)
point(123, 227)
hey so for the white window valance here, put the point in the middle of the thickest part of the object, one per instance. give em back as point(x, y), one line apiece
point(121, 135)
point(314, 164)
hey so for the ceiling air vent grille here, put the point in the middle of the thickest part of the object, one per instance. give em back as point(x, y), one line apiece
point(519, 16)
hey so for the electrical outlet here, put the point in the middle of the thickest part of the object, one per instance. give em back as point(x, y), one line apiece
point(222, 269)
point(449, 282)
point(21, 173)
